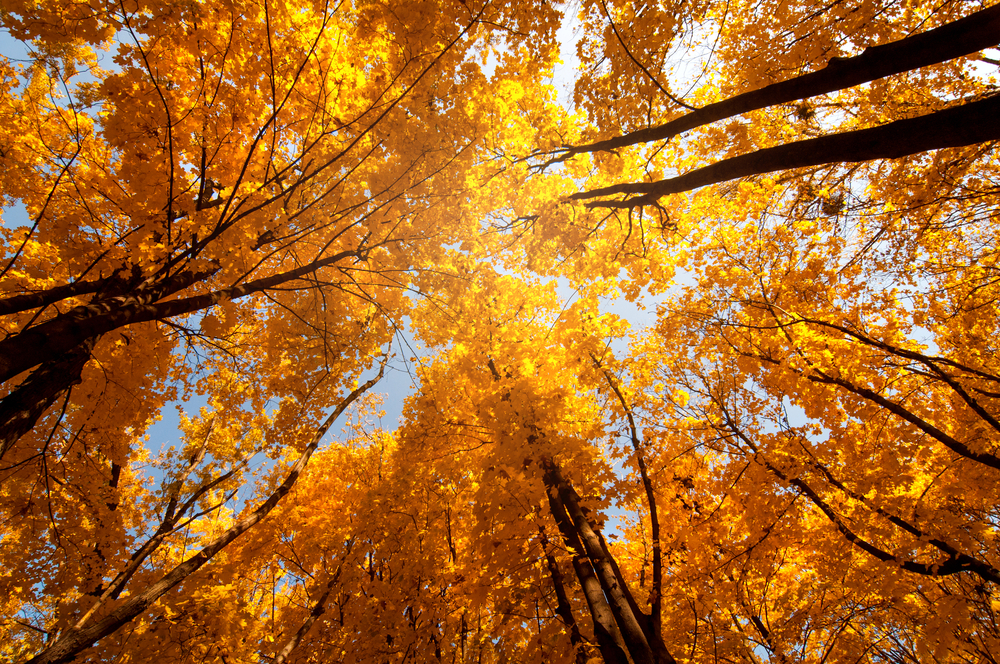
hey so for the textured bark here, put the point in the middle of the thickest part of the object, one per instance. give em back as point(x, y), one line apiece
point(660, 652)
point(563, 608)
point(967, 124)
point(77, 639)
point(629, 623)
point(609, 639)
point(973, 33)
point(21, 409)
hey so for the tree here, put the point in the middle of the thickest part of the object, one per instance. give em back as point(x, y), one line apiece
point(823, 368)
point(797, 462)
point(235, 209)
point(815, 372)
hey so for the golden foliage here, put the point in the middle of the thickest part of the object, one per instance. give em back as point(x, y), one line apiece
point(245, 205)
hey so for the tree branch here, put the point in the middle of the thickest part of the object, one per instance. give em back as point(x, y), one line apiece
point(971, 34)
point(77, 639)
point(966, 124)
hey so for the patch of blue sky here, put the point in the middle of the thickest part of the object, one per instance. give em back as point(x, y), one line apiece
point(13, 215)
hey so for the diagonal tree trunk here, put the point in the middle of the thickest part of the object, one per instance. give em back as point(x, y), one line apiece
point(33, 346)
point(70, 338)
point(967, 124)
point(971, 34)
point(563, 608)
point(21, 409)
point(660, 652)
point(633, 627)
point(609, 638)
point(18, 303)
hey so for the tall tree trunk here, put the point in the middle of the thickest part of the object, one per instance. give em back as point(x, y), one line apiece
point(973, 33)
point(618, 595)
point(966, 124)
point(660, 651)
point(609, 639)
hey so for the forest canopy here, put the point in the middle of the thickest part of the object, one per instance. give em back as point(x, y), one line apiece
point(274, 208)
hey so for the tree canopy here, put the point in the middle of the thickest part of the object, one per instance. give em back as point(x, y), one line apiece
point(274, 208)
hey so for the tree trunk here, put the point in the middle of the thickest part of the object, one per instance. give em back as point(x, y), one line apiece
point(967, 124)
point(33, 346)
point(609, 639)
point(21, 409)
point(83, 325)
point(563, 608)
point(18, 303)
point(660, 652)
point(632, 629)
point(973, 33)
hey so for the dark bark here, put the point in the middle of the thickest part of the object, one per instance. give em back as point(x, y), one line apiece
point(934, 364)
point(973, 33)
point(21, 409)
point(77, 639)
point(64, 332)
point(609, 639)
point(83, 325)
point(17, 303)
point(960, 560)
point(966, 124)
point(33, 346)
point(660, 652)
